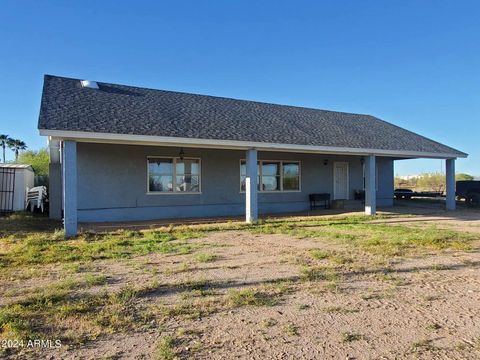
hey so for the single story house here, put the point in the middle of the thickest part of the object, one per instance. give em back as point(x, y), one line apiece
point(120, 153)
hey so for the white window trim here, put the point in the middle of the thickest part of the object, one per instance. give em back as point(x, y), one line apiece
point(174, 178)
point(260, 162)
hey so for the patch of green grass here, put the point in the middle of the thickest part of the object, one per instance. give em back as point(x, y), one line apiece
point(165, 348)
point(291, 329)
point(381, 239)
point(183, 267)
point(425, 344)
point(66, 284)
point(245, 297)
point(341, 258)
point(72, 267)
point(433, 327)
point(349, 337)
point(51, 311)
point(197, 293)
point(332, 286)
point(334, 256)
point(204, 258)
point(319, 254)
point(181, 310)
point(201, 284)
point(33, 248)
point(269, 322)
point(317, 273)
point(397, 240)
point(395, 280)
point(95, 280)
point(269, 294)
point(198, 288)
point(195, 309)
point(30, 240)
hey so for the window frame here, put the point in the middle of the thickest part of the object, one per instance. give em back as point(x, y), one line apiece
point(174, 176)
point(280, 162)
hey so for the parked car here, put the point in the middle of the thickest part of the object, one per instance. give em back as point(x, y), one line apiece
point(470, 191)
point(403, 193)
point(408, 194)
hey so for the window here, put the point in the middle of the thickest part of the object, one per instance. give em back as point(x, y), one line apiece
point(270, 176)
point(291, 176)
point(274, 175)
point(243, 175)
point(173, 175)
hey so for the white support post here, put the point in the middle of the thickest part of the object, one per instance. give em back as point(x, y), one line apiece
point(370, 191)
point(450, 184)
point(70, 188)
point(251, 203)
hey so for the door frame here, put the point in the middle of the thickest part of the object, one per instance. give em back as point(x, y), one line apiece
point(334, 179)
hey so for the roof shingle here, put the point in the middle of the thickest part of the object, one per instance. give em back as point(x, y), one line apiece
point(121, 109)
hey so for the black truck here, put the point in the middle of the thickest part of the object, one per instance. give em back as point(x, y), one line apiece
point(470, 191)
point(408, 193)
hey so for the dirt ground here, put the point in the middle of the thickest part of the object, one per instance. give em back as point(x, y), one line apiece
point(425, 307)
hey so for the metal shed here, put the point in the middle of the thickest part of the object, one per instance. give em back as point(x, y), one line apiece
point(14, 181)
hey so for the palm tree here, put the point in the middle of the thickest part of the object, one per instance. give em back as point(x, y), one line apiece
point(5, 141)
point(16, 146)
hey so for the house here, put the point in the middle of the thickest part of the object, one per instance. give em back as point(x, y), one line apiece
point(121, 153)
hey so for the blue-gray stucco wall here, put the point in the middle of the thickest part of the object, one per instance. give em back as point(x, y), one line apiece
point(112, 183)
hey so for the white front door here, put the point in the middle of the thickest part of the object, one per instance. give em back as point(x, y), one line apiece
point(340, 181)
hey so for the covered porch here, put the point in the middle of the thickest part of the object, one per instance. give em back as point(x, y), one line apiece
point(97, 187)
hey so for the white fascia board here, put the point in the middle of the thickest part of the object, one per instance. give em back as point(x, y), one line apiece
point(54, 150)
point(110, 138)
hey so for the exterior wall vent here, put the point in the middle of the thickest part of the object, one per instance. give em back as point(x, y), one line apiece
point(89, 84)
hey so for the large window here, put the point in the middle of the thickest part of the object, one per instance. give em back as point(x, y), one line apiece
point(173, 175)
point(274, 175)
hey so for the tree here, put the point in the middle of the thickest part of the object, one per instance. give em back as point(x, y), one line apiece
point(5, 141)
point(463, 176)
point(431, 182)
point(16, 146)
point(38, 159)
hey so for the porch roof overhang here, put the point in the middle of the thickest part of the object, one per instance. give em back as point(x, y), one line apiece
point(151, 140)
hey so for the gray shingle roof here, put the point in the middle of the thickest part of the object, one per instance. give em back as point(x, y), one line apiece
point(121, 109)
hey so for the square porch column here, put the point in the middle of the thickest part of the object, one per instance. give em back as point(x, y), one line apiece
point(370, 181)
point(251, 201)
point(70, 188)
point(450, 184)
point(54, 180)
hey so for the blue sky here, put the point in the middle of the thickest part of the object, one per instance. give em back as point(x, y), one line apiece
point(413, 63)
